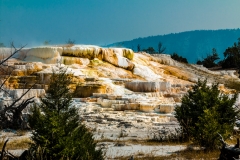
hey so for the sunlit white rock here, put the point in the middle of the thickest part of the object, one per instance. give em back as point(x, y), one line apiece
point(6, 52)
point(49, 55)
point(140, 86)
point(146, 73)
point(166, 108)
point(147, 107)
point(17, 93)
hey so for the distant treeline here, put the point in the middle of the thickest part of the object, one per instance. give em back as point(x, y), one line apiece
point(231, 56)
point(193, 45)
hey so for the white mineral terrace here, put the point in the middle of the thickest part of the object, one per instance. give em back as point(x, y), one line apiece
point(120, 95)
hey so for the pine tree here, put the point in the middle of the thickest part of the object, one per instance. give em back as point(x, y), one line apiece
point(204, 113)
point(57, 131)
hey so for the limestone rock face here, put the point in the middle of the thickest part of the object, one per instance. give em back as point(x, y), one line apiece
point(68, 55)
point(17, 93)
point(132, 106)
point(117, 79)
point(165, 59)
point(139, 86)
point(124, 52)
point(147, 107)
point(88, 90)
point(23, 69)
point(119, 107)
point(107, 103)
point(5, 52)
point(166, 108)
point(74, 60)
point(146, 73)
point(117, 60)
point(82, 51)
point(48, 55)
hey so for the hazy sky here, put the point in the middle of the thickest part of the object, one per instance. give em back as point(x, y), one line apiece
point(102, 22)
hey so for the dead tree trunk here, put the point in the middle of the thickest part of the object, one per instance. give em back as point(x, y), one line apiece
point(6, 155)
point(3, 152)
point(11, 115)
point(229, 152)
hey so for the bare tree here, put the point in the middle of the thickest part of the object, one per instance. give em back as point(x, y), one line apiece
point(161, 49)
point(229, 152)
point(47, 42)
point(71, 42)
point(138, 47)
point(3, 152)
point(11, 115)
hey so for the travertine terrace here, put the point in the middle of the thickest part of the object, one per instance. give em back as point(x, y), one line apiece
point(111, 79)
point(119, 93)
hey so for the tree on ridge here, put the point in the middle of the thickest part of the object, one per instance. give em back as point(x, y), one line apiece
point(161, 49)
point(57, 130)
point(204, 113)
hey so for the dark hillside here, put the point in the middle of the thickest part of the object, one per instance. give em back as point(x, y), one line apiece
point(192, 45)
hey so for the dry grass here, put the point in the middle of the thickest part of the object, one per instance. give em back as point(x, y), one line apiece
point(142, 142)
point(180, 155)
point(233, 139)
point(157, 143)
point(19, 143)
point(233, 84)
point(176, 72)
point(21, 132)
point(193, 154)
point(18, 140)
point(23, 142)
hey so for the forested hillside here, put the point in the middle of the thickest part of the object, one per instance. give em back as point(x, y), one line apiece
point(193, 45)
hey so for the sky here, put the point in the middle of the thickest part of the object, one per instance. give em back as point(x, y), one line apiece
point(101, 22)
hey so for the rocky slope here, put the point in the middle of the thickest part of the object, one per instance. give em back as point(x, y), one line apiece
point(121, 95)
point(116, 74)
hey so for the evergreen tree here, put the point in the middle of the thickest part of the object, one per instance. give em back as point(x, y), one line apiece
point(57, 131)
point(70, 42)
point(178, 58)
point(149, 50)
point(209, 61)
point(161, 49)
point(204, 113)
point(232, 56)
point(47, 42)
point(138, 48)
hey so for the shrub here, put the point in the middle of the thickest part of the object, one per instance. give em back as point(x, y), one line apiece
point(178, 58)
point(57, 131)
point(204, 113)
point(232, 56)
point(209, 61)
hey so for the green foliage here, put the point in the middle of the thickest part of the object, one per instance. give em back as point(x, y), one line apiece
point(209, 61)
point(71, 42)
point(233, 84)
point(149, 50)
point(204, 112)
point(232, 56)
point(138, 48)
point(57, 131)
point(47, 42)
point(161, 49)
point(178, 58)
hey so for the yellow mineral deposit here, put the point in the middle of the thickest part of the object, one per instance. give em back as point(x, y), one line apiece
point(113, 78)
